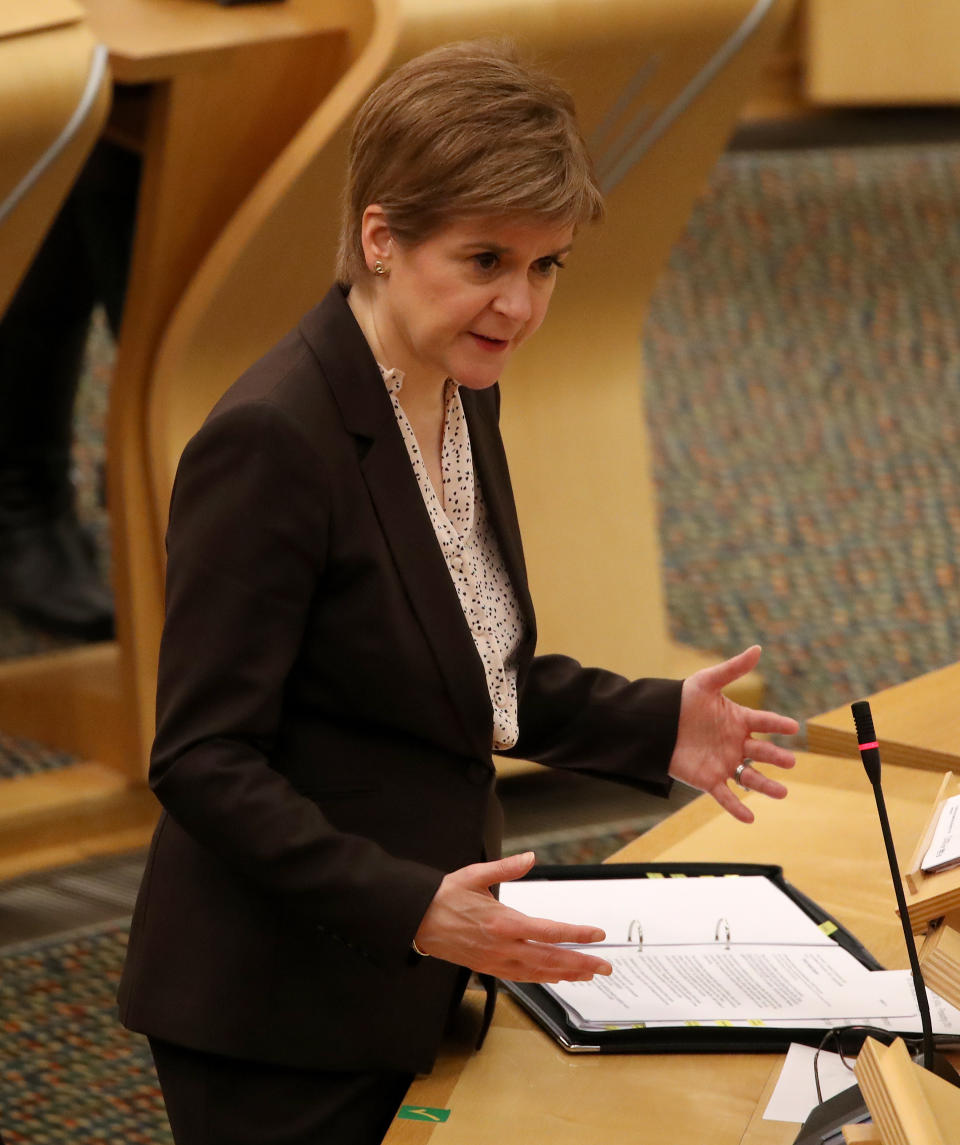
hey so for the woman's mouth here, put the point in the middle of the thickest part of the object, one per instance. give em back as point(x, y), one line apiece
point(486, 343)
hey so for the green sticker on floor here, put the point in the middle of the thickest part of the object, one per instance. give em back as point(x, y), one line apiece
point(422, 1113)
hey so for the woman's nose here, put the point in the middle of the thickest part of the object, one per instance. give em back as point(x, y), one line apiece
point(515, 300)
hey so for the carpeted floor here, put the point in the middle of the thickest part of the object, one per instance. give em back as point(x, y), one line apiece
point(68, 1071)
point(803, 356)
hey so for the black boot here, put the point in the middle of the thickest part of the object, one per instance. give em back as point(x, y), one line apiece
point(48, 572)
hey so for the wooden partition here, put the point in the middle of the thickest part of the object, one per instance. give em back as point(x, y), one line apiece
point(882, 52)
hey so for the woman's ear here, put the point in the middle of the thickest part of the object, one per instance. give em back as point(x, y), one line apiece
point(376, 237)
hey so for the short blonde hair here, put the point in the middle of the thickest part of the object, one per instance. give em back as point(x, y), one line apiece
point(464, 130)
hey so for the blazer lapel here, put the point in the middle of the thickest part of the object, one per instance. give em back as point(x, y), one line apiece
point(354, 378)
point(490, 461)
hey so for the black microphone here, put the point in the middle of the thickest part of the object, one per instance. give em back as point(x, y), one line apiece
point(823, 1126)
point(870, 755)
point(867, 742)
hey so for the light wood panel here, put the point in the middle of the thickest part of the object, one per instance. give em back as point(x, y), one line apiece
point(68, 701)
point(154, 40)
point(55, 818)
point(841, 54)
point(197, 151)
point(826, 837)
point(19, 16)
point(917, 723)
point(882, 52)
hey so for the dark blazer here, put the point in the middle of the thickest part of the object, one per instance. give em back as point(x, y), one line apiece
point(323, 748)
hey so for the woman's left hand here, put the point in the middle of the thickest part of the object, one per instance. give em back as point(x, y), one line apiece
point(714, 737)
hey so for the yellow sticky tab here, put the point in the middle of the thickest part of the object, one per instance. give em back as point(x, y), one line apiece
point(690, 1022)
point(828, 927)
point(678, 875)
point(724, 1022)
point(654, 874)
point(756, 1021)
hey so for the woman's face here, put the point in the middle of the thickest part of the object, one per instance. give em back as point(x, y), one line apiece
point(459, 303)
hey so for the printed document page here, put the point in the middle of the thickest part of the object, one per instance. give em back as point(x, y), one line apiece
point(730, 950)
point(944, 849)
point(704, 984)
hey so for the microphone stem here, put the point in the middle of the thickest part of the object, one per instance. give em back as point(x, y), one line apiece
point(921, 990)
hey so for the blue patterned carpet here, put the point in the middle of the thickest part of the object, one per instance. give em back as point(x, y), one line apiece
point(69, 1073)
point(803, 358)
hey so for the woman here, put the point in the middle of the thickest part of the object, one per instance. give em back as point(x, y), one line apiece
point(349, 636)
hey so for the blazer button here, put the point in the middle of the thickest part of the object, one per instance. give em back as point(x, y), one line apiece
point(478, 774)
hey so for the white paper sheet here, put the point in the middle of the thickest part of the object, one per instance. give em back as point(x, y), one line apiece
point(795, 1094)
point(670, 910)
point(944, 849)
point(896, 985)
point(944, 1018)
point(693, 983)
point(779, 965)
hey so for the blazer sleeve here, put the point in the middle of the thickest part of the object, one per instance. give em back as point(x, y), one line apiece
point(247, 545)
point(598, 723)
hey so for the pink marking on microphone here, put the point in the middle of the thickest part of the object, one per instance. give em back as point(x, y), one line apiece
point(864, 746)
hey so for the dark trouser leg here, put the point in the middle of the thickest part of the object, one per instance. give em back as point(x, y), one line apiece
point(47, 569)
point(213, 1100)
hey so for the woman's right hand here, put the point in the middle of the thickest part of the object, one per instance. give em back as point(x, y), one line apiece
point(467, 925)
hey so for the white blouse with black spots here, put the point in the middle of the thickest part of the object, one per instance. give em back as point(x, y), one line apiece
point(472, 554)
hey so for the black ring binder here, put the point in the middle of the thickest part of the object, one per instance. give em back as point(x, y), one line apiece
point(549, 1014)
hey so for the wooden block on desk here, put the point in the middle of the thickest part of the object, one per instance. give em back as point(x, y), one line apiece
point(940, 959)
point(917, 723)
point(909, 1105)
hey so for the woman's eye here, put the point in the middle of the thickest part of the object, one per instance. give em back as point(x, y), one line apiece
point(486, 260)
point(546, 265)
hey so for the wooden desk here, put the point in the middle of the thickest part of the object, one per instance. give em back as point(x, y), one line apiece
point(917, 723)
point(826, 837)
